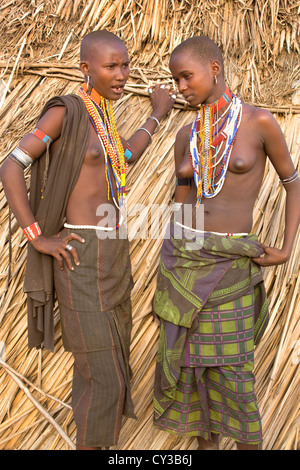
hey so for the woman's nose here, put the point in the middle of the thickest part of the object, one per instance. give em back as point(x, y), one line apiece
point(121, 74)
point(181, 86)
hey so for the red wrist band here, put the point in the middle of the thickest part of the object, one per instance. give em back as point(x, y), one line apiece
point(32, 231)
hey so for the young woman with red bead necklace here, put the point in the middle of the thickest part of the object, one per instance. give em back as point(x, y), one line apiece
point(210, 296)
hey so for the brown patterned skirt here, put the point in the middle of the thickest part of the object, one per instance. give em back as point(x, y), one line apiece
point(95, 309)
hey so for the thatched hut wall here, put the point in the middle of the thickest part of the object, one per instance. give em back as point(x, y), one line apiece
point(39, 59)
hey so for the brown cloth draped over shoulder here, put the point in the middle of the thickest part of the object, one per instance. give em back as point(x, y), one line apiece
point(61, 174)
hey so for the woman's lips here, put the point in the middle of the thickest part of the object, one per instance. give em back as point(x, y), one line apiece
point(118, 89)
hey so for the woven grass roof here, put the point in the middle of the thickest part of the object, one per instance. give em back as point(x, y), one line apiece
point(39, 59)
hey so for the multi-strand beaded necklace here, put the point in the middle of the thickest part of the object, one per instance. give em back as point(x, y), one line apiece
point(102, 118)
point(211, 143)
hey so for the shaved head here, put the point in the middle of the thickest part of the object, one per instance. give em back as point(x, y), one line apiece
point(200, 48)
point(92, 39)
point(104, 63)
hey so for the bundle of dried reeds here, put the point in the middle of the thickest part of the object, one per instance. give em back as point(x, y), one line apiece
point(259, 38)
point(40, 57)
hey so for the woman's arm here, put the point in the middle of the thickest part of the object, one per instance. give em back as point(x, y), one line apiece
point(277, 151)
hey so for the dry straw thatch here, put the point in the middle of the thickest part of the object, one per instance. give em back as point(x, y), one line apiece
point(40, 45)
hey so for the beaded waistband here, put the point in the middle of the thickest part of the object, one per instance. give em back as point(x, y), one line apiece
point(94, 227)
point(243, 234)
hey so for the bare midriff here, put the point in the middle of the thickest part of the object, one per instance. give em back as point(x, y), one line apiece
point(90, 201)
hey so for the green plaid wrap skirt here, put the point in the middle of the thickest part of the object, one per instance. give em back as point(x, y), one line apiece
point(212, 398)
point(213, 308)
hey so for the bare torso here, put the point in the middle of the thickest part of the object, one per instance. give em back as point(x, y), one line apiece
point(231, 210)
point(88, 202)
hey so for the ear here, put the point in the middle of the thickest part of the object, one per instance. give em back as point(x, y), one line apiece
point(84, 67)
point(216, 68)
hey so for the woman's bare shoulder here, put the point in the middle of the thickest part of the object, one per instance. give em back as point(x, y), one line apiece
point(258, 114)
point(184, 132)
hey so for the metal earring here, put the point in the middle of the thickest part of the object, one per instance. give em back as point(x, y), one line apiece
point(88, 82)
point(216, 80)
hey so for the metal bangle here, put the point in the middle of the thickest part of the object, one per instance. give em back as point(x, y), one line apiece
point(290, 179)
point(146, 130)
point(21, 157)
point(156, 120)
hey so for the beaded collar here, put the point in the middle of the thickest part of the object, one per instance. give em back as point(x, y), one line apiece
point(221, 102)
point(93, 94)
